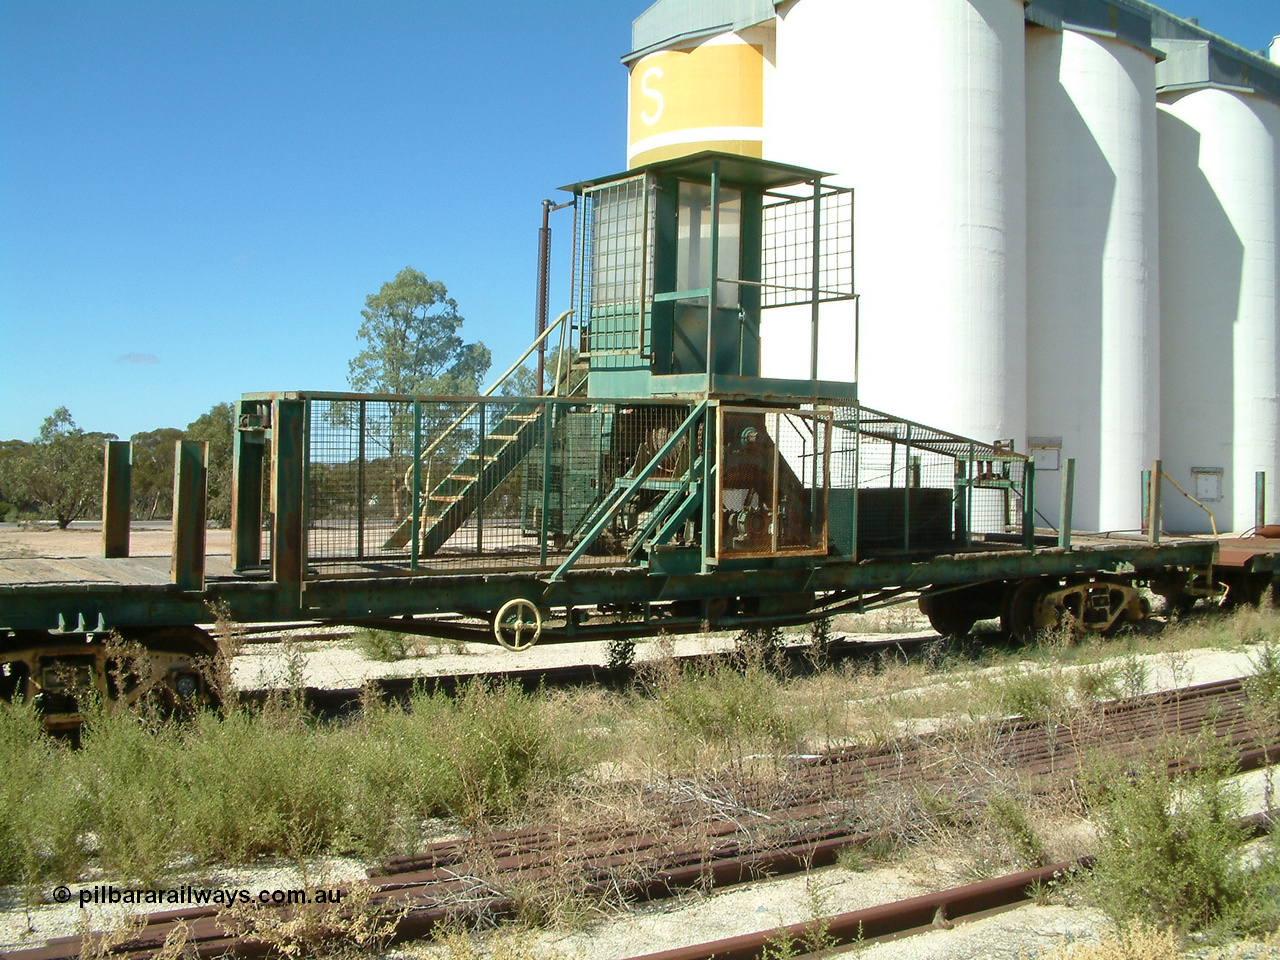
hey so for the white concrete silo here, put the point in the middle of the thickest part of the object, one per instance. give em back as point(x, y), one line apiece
point(1220, 268)
point(1093, 332)
point(920, 108)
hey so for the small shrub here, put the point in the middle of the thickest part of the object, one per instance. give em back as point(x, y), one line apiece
point(496, 744)
point(1263, 686)
point(1170, 855)
point(41, 812)
point(1133, 676)
point(1095, 682)
point(620, 654)
point(1034, 694)
point(722, 708)
point(383, 645)
point(760, 647)
point(1009, 820)
point(133, 800)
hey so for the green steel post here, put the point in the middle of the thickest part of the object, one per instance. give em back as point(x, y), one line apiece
point(1259, 500)
point(288, 549)
point(117, 461)
point(480, 475)
point(857, 467)
point(906, 492)
point(816, 269)
point(713, 254)
point(1029, 506)
point(1067, 505)
point(813, 486)
point(1156, 518)
point(363, 405)
point(190, 473)
point(415, 519)
point(547, 426)
point(968, 500)
point(305, 540)
point(710, 496)
point(1146, 501)
point(248, 449)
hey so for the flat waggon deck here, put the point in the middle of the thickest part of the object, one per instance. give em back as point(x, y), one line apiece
point(91, 594)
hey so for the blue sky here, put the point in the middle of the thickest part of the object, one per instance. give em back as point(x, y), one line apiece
point(197, 196)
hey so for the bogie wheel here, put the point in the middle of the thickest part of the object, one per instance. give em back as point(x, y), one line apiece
point(948, 614)
point(518, 624)
point(1017, 618)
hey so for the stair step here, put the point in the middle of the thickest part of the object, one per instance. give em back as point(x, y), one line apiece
point(454, 476)
point(504, 437)
point(523, 417)
point(447, 498)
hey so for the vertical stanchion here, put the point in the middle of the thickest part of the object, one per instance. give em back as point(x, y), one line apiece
point(1146, 502)
point(1029, 506)
point(711, 445)
point(415, 518)
point(117, 462)
point(547, 427)
point(480, 486)
point(1068, 502)
point(248, 451)
point(815, 279)
point(1259, 500)
point(968, 500)
point(961, 519)
point(1154, 519)
point(906, 492)
point(363, 404)
point(190, 472)
point(288, 549)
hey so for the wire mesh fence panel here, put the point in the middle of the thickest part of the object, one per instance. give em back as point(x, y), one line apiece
point(772, 479)
point(787, 251)
point(616, 265)
point(459, 484)
point(900, 486)
point(359, 452)
point(514, 483)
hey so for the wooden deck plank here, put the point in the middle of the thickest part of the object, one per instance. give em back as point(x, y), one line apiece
point(23, 571)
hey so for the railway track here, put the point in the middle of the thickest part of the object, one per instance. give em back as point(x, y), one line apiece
point(333, 701)
point(717, 832)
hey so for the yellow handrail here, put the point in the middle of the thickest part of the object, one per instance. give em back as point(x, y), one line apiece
point(1212, 522)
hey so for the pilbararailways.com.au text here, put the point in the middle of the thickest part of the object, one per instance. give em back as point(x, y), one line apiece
point(189, 896)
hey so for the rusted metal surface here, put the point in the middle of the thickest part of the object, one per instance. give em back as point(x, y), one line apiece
point(870, 923)
point(1240, 551)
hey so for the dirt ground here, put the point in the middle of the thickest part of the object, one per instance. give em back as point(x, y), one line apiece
point(149, 539)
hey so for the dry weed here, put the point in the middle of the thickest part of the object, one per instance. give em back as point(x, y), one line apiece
point(1137, 941)
point(107, 944)
point(230, 635)
point(512, 943)
point(355, 927)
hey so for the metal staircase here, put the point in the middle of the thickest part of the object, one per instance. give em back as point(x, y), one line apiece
point(454, 499)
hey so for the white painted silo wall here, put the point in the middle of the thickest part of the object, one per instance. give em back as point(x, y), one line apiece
point(1219, 249)
point(920, 107)
point(1093, 334)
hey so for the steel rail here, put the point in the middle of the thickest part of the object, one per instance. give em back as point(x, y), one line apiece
point(766, 833)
